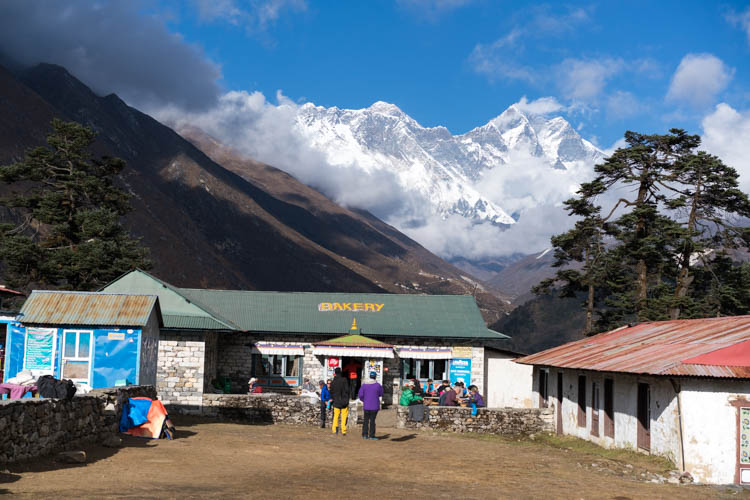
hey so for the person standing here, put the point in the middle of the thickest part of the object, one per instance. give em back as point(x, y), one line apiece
point(351, 369)
point(340, 395)
point(370, 394)
point(325, 398)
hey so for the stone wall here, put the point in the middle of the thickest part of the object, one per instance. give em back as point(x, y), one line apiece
point(33, 427)
point(180, 374)
point(507, 421)
point(267, 408)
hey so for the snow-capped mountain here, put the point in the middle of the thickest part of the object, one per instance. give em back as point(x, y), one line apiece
point(441, 167)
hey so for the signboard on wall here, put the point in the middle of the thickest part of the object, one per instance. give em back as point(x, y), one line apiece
point(460, 371)
point(374, 365)
point(331, 364)
point(462, 351)
point(40, 349)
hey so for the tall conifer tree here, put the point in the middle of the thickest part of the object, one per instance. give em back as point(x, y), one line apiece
point(68, 233)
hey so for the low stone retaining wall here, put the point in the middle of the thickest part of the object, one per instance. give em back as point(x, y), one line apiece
point(267, 408)
point(34, 427)
point(507, 421)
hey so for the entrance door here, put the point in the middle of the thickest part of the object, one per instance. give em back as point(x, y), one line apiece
point(644, 417)
point(595, 409)
point(76, 355)
point(559, 402)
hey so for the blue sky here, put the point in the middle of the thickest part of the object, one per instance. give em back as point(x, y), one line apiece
point(239, 69)
point(460, 63)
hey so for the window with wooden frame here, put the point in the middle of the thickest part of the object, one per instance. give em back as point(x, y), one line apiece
point(609, 408)
point(581, 400)
point(543, 388)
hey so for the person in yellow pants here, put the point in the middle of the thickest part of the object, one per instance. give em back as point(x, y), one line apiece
point(344, 412)
point(340, 395)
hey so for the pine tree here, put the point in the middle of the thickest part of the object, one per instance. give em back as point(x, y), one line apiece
point(679, 214)
point(68, 234)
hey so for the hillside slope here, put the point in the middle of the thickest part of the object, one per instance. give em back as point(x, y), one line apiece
point(207, 226)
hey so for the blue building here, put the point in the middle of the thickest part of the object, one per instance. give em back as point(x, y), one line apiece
point(99, 339)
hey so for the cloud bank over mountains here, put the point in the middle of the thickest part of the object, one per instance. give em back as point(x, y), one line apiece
point(127, 48)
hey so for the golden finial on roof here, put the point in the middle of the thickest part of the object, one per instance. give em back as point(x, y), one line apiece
point(354, 324)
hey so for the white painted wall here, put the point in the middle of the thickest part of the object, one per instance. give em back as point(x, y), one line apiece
point(664, 421)
point(710, 427)
point(508, 384)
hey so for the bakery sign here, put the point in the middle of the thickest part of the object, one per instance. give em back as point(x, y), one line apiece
point(349, 306)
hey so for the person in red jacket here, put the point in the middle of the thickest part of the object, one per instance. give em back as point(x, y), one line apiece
point(351, 370)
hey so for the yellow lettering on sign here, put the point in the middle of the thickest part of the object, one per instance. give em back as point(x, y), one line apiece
point(349, 306)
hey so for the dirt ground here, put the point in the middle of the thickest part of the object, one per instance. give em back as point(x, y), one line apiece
point(234, 460)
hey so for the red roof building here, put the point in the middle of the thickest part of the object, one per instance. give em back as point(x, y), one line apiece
point(679, 388)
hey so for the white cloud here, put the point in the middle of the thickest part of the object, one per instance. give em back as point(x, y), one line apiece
point(742, 20)
point(255, 15)
point(111, 47)
point(497, 63)
point(726, 134)
point(623, 104)
point(431, 9)
point(698, 80)
point(501, 58)
point(266, 132)
point(541, 106)
point(585, 79)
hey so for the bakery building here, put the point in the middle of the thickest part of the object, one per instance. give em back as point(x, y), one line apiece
point(224, 337)
point(680, 389)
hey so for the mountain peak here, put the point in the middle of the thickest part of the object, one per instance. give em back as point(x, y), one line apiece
point(385, 108)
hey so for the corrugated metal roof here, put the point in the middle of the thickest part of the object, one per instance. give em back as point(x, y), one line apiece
point(657, 348)
point(88, 308)
point(182, 321)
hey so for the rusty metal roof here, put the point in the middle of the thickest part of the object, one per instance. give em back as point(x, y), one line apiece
point(656, 348)
point(88, 308)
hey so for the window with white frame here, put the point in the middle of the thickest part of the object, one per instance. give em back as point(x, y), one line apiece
point(278, 365)
point(423, 369)
point(76, 355)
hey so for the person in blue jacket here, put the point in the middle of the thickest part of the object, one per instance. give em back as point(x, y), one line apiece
point(325, 398)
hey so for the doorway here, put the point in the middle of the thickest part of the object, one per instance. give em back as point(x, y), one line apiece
point(644, 417)
point(352, 370)
point(559, 402)
point(595, 409)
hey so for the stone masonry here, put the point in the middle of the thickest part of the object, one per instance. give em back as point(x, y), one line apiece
point(33, 427)
point(268, 408)
point(505, 421)
point(180, 374)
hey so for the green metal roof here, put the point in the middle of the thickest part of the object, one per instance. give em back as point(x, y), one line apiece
point(177, 311)
point(354, 340)
point(394, 315)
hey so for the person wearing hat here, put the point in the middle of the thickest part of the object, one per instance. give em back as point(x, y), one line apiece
point(370, 394)
point(253, 386)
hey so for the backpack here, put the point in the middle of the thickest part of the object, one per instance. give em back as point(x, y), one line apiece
point(50, 387)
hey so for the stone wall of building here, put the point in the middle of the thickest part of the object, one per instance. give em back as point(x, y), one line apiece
point(33, 427)
point(267, 408)
point(234, 355)
point(181, 370)
point(506, 421)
